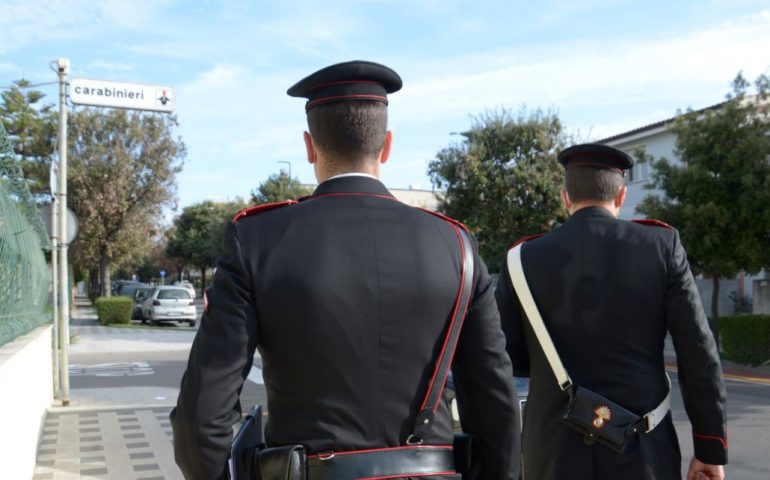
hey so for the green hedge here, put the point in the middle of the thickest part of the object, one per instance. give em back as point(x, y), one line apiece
point(746, 338)
point(114, 310)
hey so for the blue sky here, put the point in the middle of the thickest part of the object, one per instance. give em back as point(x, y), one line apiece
point(605, 66)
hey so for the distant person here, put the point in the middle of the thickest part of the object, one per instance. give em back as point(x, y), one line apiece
point(608, 292)
point(348, 295)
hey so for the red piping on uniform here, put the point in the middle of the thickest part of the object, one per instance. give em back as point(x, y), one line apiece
point(723, 441)
point(345, 82)
point(261, 208)
point(526, 239)
point(411, 475)
point(347, 97)
point(444, 217)
point(383, 449)
point(454, 319)
point(652, 222)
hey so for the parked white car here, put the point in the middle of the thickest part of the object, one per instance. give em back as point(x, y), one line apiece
point(189, 286)
point(169, 303)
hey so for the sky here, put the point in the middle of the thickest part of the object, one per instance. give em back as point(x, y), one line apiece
point(604, 66)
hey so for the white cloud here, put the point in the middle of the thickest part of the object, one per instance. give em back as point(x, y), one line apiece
point(591, 74)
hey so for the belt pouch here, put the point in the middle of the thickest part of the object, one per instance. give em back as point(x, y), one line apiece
point(600, 420)
point(463, 455)
point(283, 463)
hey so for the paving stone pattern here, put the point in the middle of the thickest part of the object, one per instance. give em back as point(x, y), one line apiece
point(125, 444)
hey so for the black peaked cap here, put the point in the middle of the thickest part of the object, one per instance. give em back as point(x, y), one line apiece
point(595, 155)
point(348, 81)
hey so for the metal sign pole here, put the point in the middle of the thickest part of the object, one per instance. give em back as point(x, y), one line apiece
point(55, 282)
point(64, 290)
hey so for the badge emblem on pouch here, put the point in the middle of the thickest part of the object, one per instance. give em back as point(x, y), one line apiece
point(603, 415)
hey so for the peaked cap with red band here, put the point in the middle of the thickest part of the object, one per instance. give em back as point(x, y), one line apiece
point(595, 155)
point(348, 81)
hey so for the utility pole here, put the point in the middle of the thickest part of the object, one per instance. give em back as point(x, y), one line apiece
point(63, 68)
point(287, 163)
point(55, 280)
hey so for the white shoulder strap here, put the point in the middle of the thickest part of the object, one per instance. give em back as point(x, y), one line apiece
point(533, 314)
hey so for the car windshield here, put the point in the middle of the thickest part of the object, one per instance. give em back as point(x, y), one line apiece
point(141, 293)
point(174, 294)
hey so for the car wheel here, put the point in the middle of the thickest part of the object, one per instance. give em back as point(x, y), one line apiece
point(191, 323)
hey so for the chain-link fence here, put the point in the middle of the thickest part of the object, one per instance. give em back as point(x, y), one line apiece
point(24, 276)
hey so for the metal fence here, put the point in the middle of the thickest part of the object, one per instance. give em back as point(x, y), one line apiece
point(24, 276)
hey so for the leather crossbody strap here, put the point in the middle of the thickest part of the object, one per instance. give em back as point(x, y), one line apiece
point(521, 288)
point(424, 420)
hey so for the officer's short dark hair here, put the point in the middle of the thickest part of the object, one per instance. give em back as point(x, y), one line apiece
point(350, 132)
point(585, 183)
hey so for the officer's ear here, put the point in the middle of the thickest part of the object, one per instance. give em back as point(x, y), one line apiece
point(565, 200)
point(310, 148)
point(620, 197)
point(385, 154)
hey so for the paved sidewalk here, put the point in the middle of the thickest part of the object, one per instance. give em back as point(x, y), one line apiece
point(131, 443)
point(112, 433)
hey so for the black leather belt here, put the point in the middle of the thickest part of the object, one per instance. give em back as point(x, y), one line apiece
point(381, 463)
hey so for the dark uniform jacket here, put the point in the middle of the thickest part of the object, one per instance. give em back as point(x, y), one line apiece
point(608, 291)
point(347, 296)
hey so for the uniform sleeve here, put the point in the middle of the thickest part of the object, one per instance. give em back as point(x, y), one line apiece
point(511, 318)
point(220, 359)
point(699, 369)
point(484, 386)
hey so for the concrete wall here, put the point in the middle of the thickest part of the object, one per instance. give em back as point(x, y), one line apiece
point(26, 392)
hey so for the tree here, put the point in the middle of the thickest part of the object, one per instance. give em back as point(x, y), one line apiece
point(719, 195)
point(122, 174)
point(32, 126)
point(277, 188)
point(197, 234)
point(503, 180)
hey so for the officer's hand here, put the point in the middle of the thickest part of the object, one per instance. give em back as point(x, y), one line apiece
point(704, 471)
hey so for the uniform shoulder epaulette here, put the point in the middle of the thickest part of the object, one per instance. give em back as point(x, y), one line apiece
point(446, 219)
point(249, 211)
point(525, 239)
point(650, 222)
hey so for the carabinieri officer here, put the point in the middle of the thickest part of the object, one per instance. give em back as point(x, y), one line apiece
point(609, 291)
point(347, 295)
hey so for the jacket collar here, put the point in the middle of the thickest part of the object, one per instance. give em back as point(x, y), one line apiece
point(591, 212)
point(356, 184)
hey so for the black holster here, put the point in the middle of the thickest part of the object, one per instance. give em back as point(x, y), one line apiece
point(282, 463)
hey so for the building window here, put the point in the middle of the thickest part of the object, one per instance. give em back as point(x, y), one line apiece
point(641, 170)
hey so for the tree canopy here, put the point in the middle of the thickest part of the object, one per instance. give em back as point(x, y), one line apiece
point(278, 188)
point(503, 180)
point(123, 168)
point(718, 195)
point(196, 238)
point(32, 127)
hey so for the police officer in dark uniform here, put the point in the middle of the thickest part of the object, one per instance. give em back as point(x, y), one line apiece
point(609, 291)
point(347, 295)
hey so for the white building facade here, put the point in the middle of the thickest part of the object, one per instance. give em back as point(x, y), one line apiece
point(658, 141)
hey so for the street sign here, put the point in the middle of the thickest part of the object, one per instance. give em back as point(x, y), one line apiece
point(133, 96)
point(162, 273)
point(54, 177)
point(72, 223)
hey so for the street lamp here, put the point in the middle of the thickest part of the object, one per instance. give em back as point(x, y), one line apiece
point(287, 163)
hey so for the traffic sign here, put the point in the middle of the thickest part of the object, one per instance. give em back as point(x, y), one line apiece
point(133, 96)
point(72, 223)
point(162, 273)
